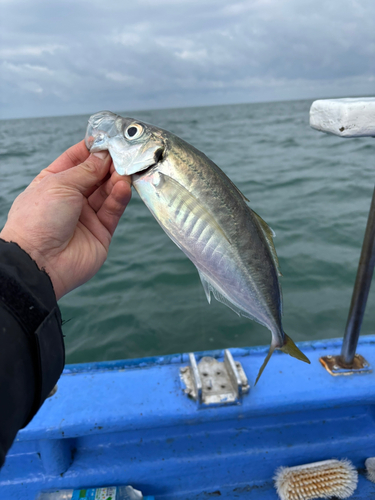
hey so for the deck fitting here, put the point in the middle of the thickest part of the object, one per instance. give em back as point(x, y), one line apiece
point(212, 382)
point(335, 366)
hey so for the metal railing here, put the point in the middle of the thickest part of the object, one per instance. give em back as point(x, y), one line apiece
point(360, 291)
point(351, 118)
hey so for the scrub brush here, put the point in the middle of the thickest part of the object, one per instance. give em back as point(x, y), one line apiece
point(330, 478)
point(370, 469)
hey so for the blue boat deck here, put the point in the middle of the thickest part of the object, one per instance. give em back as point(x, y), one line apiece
point(129, 422)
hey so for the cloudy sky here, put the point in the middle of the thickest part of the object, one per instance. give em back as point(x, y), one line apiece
point(79, 56)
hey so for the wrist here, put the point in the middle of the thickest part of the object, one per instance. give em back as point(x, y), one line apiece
point(31, 330)
point(11, 236)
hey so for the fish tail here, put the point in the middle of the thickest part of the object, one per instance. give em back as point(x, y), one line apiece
point(272, 348)
point(290, 348)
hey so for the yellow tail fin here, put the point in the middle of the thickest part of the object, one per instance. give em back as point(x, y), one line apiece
point(272, 348)
point(290, 348)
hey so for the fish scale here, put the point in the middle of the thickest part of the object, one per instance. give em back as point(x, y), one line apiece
point(204, 214)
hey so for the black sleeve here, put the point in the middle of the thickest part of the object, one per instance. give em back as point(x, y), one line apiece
point(32, 351)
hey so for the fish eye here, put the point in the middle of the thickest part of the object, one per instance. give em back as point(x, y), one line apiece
point(134, 131)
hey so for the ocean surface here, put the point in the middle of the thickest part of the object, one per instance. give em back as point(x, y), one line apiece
point(313, 189)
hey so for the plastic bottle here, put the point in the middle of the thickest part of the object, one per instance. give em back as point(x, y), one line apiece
point(106, 493)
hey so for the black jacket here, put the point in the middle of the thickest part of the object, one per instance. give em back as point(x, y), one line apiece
point(32, 351)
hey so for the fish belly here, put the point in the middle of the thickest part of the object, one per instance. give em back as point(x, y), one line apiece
point(192, 227)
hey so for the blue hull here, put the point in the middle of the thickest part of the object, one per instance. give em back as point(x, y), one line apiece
point(129, 422)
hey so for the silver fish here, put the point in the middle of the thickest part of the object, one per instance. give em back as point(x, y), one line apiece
point(204, 214)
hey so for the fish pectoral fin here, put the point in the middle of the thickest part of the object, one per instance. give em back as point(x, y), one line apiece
point(269, 234)
point(290, 348)
point(270, 352)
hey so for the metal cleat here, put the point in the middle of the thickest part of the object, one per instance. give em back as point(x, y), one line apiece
point(212, 382)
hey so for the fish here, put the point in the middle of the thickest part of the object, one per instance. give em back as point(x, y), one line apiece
point(205, 214)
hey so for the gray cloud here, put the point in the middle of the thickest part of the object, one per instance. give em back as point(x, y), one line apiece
point(83, 56)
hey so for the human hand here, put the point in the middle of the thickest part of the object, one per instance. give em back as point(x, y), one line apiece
point(66, 217)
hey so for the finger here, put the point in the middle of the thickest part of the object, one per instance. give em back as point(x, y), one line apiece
point(118, 176)
point(90, 221)
point(70, 158)
point(114, 206)
point(88, 174)
point(99, 196)
point(89, 192)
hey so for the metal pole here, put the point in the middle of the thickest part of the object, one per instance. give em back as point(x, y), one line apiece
point(361, 290)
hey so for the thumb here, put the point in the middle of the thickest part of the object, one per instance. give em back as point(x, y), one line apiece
point(87, 174)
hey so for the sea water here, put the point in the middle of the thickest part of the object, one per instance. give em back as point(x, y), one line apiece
point(313, 189)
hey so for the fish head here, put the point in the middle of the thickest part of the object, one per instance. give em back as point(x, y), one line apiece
point(133, 145)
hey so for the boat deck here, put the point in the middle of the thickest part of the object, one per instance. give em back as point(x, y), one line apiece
point(129, 422)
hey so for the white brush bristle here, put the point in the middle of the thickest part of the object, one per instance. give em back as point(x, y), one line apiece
point(325, 479)
point(370, 469)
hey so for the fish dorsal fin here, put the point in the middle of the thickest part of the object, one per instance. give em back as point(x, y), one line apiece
point(238, 191)
point(172, 189)
point(269, 234)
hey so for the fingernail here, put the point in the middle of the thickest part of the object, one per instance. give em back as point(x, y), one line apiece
point(101, 154)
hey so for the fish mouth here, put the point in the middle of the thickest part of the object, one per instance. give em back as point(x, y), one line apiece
point(101, 126)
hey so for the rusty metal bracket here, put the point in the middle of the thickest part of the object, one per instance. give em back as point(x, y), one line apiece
point(335, 365)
